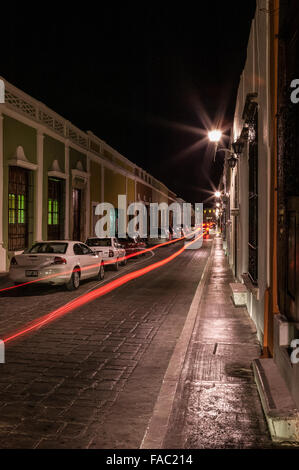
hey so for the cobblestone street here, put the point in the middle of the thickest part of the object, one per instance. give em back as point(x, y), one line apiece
point(91, 378)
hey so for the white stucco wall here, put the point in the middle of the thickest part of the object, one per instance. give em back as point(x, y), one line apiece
point(254, 79)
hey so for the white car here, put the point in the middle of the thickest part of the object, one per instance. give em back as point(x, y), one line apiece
point(57, 262)
point(193, 232)
point(163, 236)
point(110, 249)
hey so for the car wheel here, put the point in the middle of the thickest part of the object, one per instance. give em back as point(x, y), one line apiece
point(74, 281)
point(101, 273)
point(124, 262)
point(116, 266)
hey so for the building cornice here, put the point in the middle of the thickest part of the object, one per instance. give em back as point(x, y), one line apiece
point(21, 106)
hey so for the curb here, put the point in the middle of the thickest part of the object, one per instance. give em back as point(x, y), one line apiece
point(158, 425)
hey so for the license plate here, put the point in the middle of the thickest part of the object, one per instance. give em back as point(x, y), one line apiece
point(31, 273)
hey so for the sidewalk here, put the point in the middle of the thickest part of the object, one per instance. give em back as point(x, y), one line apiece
point(4, 281)
point(216, 403)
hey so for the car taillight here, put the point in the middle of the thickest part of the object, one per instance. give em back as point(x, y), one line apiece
point(13, 262)
point(111, 254)
point(59, 260)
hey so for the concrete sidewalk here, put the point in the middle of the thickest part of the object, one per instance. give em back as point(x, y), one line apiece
point(216, 404)
point(4, 280)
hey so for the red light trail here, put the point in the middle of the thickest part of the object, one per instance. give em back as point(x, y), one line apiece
point(87, 268)
point(95, 294)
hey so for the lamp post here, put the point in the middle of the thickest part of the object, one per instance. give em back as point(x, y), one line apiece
point(237, 147)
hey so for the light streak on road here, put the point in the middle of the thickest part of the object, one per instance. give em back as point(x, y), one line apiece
point(93, 295)
point(87, 268)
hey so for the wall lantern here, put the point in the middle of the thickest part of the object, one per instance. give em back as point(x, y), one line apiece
point(232, 161)
point(238, 147)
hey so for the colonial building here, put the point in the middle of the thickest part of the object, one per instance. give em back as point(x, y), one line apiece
point(246, 186)
point(286, 326)
point(52, 176)
point(261, 206)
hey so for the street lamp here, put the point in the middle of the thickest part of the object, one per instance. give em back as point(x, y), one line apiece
point(217, 194)
point(214, 137)
point(237, 147)
point(232, 161)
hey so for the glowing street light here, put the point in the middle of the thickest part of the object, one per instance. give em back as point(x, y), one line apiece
point(217, 194)
point(215, 135)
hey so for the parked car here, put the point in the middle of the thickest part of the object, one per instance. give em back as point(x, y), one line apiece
point(192, 233)
point(57, 262)
point(163, 236)
point(131, 245)
point(142, 243)
point(110, 249)
point(178, 232)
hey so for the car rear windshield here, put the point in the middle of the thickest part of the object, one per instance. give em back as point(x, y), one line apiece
point(56, 248)
point(99, 242)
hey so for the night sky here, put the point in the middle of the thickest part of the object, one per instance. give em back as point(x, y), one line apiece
point(148, 79)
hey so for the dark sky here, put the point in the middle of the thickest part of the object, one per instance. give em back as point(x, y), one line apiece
point(147, 79)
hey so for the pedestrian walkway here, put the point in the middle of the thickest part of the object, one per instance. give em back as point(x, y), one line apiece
point(217, 403)
point(4, 280)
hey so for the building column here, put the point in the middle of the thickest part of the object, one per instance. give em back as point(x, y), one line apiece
point(88, 211)
point(39, 187)
point(102, 183)
point(2, 250)
point(67, 191)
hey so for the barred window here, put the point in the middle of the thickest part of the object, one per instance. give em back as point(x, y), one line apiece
point(253, 203)
point(12, 209)
point(55, 209)
point(53, 212)
point(21, 209)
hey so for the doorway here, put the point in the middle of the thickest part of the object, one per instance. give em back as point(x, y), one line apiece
point(18, 183)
